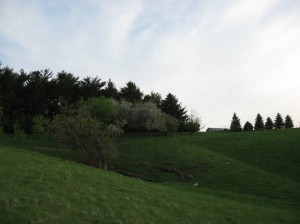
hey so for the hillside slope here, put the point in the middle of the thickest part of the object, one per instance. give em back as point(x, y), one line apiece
point(257, 163)
point(244, 177)
point(36, 188)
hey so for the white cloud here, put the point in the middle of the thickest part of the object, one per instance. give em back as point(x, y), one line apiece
point(217, 57)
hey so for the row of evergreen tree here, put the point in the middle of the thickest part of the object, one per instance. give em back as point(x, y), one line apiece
point(260, 125)
point(24, 96)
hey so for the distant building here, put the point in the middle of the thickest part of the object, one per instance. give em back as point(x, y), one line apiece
point(216, 129)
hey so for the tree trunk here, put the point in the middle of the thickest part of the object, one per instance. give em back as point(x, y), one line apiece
point(104, 166)
point(102, 163)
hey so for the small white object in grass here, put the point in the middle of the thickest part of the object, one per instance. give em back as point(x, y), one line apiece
point(196, 184)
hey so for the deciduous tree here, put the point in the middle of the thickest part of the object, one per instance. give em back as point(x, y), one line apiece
point(102, 109)
point(146, 117)
point(171, 123)
point(248, 126)
point(79, 130)
point(193, 123)
point(153, 97)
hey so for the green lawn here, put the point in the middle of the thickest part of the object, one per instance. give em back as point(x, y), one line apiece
point(245, 177)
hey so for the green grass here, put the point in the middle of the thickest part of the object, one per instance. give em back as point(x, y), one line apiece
point(245, 177)
point(254, 163)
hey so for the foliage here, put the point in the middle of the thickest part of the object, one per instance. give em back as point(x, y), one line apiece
point(131, 93)
point(269, 125)
point(193, 123)
point(171, 123)
point(171, 106)
point(146, 117)
point(110, 90)
point(39, 123)
point(278, 124)
point(91, 87)
point(123, 110)
point(102, 109)
point(11, 89)
point(67, 88)
point(24, 96)
point(154, 98)
point(288, 123)
point(1, 115)
point(248, 126)
point(18, 132)
point(37, 91)
point(143, 116)
point(79, 130)
point(259, 123)
point(235, 123)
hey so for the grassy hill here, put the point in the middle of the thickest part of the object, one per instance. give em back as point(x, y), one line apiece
point(245, 178)
point(257, 163)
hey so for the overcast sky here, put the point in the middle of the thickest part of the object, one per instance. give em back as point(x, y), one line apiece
point(217, 56)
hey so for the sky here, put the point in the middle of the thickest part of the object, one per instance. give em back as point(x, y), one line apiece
point(217, 56)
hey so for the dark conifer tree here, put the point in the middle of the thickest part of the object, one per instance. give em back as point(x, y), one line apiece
point(248, 126)
point(235, 123)
point(288, 122)
point(36, 97)
point(110, 91)
point(171, 106)
point(278, 121)
point(11, 97)
point(131, 93)
point(269, 125)
point(67, 88)
point(91, 87)
point(259, 123)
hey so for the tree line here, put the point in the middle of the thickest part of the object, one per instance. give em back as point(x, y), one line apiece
point(259, 124)
point(28, 98)
point(87, 114)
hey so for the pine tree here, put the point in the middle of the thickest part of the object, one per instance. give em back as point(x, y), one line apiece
point(235, 123)
point(91, 87)
point(259, 123)
point(171, 106)
point(288, 122)
point(269, 125)
point(110, 91)
point(131, 93)
point(278, 121)
point(248, 126)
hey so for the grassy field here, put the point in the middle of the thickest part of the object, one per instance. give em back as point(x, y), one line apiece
point(244, 177)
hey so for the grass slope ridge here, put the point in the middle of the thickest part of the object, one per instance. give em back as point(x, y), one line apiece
point(36, 188)
point(246, 178)
point(254, 163)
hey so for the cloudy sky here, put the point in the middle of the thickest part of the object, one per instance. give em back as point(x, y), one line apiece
point(217, 56)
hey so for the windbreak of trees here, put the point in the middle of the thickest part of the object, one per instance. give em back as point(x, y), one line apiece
point(87, 114)
point(259, 124)
point(26, 98)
